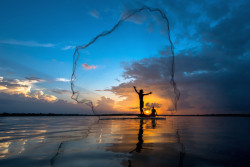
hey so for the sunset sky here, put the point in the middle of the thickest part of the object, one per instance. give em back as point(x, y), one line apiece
point(38, 39)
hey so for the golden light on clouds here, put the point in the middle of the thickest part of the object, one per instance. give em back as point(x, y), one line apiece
point(3, 88)
point(40, 95)
point(24, 88)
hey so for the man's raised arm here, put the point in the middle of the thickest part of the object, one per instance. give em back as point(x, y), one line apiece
point(148, 93)
point(135, 89)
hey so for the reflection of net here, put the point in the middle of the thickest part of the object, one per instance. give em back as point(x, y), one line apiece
point(75, 93)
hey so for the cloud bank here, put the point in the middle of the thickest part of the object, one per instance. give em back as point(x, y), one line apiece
point(18, 103)
point(24, 87)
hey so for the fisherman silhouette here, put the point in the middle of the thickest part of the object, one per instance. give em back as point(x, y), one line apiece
point(140, 93)
point(154, 113)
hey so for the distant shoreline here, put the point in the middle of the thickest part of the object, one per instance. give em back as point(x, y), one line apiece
point(52, 114)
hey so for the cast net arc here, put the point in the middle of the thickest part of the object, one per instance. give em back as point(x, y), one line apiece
point(76, 56)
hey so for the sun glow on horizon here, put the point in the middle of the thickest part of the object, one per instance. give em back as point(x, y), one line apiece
point(147, 112)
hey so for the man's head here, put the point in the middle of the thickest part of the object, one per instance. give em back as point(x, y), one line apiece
point(141, 91)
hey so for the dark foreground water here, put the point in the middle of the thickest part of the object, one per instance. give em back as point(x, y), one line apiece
point(89, 142)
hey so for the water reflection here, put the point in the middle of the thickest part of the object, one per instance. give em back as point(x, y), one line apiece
point(4, 149)
point(182, 148)
point(23, 135)
point(140, 136)
point(59, 151)
point(140, 139)
point(153, 123)
point(17, 140)
point(83, 141)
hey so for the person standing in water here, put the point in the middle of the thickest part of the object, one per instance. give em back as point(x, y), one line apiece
point(140, 93)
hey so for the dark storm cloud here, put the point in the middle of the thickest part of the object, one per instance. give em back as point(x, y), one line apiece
point(211, 21)
point(206, 84)
point(213, 76)
point(232, 34)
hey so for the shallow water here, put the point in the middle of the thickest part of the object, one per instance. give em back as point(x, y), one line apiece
point(88, 141)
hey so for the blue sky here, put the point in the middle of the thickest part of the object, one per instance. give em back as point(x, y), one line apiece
point(38, 38)
point(42, 35)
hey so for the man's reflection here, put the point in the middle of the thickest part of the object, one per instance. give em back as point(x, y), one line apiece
point(140, 135)
point(153, 123)
point(140, 138)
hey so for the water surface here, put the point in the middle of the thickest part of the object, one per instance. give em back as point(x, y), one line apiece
point(88, 141)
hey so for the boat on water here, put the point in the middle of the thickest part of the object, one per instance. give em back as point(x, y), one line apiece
point(138, 117)
point(144, 116)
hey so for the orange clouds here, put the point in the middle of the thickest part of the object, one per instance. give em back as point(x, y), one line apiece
point(130, 101)
point(88, 67)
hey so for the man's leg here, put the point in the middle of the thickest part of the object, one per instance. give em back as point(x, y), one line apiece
point(141, 110)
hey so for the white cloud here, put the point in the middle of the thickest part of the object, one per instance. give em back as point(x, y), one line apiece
point(62, 80)
point(26, 43)
point(195, 72)
point(68, 47)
